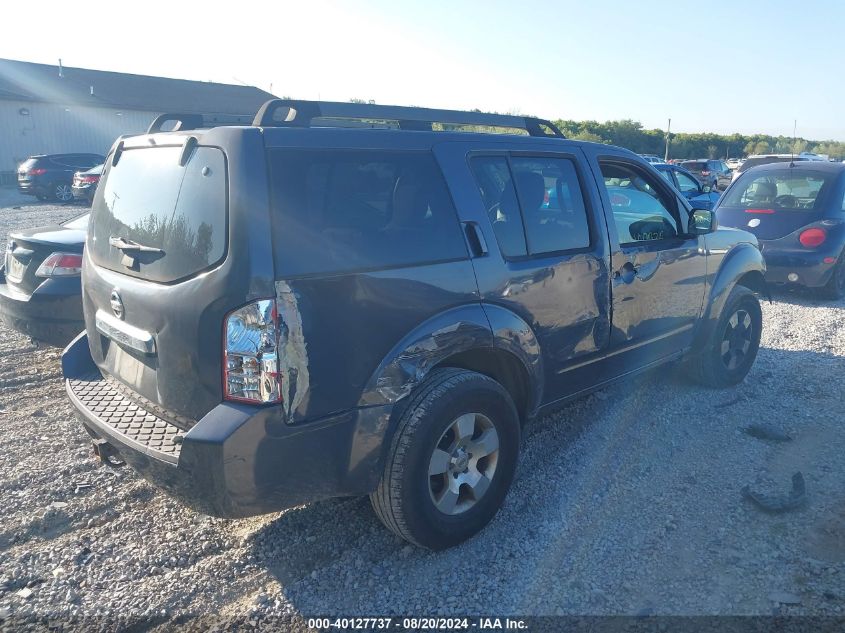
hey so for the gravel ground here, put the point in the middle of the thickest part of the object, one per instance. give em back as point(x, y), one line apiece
point(626, 502)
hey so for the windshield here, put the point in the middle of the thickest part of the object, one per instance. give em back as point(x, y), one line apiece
point(787, 189)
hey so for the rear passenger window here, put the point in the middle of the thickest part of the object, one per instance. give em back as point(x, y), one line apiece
point(493, 177)
point(553, 209)
point(534, 204)
point(352, 210)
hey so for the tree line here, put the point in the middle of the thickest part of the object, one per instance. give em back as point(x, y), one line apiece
point(631, 135)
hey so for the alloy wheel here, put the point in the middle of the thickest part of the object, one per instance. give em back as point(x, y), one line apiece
point(737, 338)
point(463, 463)
point(63, 193)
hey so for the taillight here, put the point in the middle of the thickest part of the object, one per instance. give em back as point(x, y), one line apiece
point(37, 172)
point(811, 238)
point(60, 265)
point(88, 179)
point(251, 354)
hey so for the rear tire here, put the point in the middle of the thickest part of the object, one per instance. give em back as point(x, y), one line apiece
point(61, 192)
point(732, 345)
point(451, 460)
point(835, 286)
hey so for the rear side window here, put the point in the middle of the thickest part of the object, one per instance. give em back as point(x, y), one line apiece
point(338, 210)
point(149, 199)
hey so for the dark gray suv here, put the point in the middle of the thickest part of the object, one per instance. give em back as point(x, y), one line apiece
point(309, 307)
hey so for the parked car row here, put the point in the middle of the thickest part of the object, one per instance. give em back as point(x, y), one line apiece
point(470, 282)
point(60, 177)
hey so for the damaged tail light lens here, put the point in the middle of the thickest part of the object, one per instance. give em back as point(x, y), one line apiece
point(251, 354)
point(60, 265)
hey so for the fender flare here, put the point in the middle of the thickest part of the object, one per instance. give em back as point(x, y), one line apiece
point(743, 259)
point(445, 335)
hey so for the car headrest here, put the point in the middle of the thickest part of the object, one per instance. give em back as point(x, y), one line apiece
point(532, 189)
point(766, 190)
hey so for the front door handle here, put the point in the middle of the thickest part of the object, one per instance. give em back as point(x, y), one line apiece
point(627, 273)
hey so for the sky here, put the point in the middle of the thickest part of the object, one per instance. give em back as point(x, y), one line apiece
point(747, 66)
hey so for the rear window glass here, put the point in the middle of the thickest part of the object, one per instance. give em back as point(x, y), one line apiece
point(360, 209)
point(694, 166)
point(785, 190)
point(29, 163)
point(150, 200)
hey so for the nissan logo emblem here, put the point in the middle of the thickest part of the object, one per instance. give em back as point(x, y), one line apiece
point(116, 304)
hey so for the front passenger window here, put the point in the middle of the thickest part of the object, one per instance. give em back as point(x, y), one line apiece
point(640, 212)
point(685, 183)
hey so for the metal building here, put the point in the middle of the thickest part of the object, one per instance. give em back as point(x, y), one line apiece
point(48, 109)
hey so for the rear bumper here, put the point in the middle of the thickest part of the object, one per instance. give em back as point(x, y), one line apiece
point(809, 266)
point(52, 313)
point(84, 193)
point(237, 460)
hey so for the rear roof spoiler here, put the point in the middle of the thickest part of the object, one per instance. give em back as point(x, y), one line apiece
point(295, 113)
point(193, 121)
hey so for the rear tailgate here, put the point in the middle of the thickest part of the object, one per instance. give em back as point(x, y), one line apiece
point(765, 224)
point(158, 272)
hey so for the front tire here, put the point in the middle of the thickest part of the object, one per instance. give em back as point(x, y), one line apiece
point(451, 460)
point(733, 343)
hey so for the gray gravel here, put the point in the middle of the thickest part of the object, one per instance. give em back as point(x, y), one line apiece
point(627, 502)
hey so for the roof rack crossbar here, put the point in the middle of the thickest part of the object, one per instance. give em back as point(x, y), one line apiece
point(192, 121)
point(296, 113)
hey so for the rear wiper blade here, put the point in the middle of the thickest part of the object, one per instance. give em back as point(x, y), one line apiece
point(128, 245)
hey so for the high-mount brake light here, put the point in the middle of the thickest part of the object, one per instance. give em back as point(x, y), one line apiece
point(251, 354)
point(60, 265)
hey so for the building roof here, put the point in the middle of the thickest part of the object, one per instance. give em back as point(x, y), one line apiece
point(28, 81)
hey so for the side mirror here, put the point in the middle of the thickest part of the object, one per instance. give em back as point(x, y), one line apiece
point(706, 188)
point(702, 222)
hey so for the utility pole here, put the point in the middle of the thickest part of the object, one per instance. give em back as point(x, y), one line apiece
point(666, 154)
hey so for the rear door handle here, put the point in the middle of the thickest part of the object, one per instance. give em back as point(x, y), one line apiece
point(475, 238)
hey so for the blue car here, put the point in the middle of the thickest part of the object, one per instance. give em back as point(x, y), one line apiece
point(700, 196)
point(795, 211)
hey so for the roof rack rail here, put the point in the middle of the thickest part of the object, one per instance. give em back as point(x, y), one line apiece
point(193, 121)
point(296, 113)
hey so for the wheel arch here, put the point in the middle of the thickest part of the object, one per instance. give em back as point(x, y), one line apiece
point(485, 338)
point(742, 265)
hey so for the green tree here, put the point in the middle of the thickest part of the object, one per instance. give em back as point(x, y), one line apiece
point(584, 135)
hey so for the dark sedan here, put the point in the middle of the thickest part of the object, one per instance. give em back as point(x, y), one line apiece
point(700, 196)
point(85, 184)
point(796, 212)
point(40, 288)
point(50, 176)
